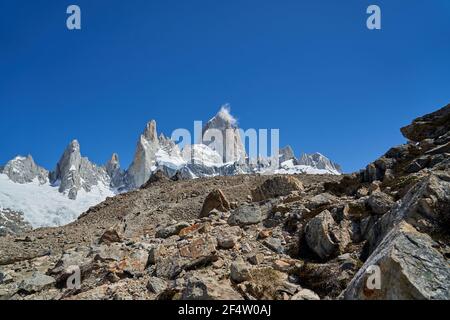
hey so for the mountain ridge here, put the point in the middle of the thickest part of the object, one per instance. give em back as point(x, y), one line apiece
point(75, 175)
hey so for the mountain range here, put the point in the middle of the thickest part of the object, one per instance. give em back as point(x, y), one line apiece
point(38, 197)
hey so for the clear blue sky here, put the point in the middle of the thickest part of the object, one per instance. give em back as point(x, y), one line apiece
point(310, 68)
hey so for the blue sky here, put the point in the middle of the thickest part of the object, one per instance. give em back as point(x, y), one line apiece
point(310, 68)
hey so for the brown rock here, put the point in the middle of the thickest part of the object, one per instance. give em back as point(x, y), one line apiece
point(264, 234)
point(432, 125)
point(189, 230)
point(215, 200)
point(110, 236)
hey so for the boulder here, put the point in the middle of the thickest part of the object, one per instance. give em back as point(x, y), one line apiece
point(171, 230)
point(276, 187)
point(274, 244)
point(432, 126)
point(77, 257)
point(380, 203)
point(425, 206)
point(156, 285)
point(36, 283)
point(321, 200)
point(215, 200)
point(226, 241)
point(324, 237)
point(409, 268)
point(110, 236)
point(5, 278)
point(190, 255)
point(246, 215)
point(239, 272)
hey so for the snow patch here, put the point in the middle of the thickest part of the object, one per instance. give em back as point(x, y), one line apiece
point(43, 206)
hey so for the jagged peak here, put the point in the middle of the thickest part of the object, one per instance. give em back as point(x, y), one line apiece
point(74, 145)
point(114, 159)
point(150, 132)
point(223, 119)
point(23, 170)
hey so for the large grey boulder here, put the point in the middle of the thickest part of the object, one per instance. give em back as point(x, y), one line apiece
point(36, 282)
point(246, 215)
point(239, 271)
point(215, 200)
point(324, 237)
point(380, 202)
point(426, 206)
point(171, 230)
point(410, 268)
point(156, 285)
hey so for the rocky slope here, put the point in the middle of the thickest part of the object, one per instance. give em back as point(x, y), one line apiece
point(382, 233)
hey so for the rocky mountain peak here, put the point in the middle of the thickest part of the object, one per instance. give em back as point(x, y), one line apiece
point(66, 172)
point(222, 120)
point(25, 170)
point(150, 131)
point(319, 161)
point(286, 154)
point(74, 172)
point(232, 148)
point(145, 156)
point(113, 164)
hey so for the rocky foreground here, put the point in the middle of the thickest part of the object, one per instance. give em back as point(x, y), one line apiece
point(299, 237)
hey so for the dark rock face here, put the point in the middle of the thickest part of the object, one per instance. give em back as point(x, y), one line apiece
point(431, 126)
point(245, 215)
point(410, 268)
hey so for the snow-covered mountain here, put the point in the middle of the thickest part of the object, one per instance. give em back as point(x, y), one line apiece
point(319, 161)
point(30, 194)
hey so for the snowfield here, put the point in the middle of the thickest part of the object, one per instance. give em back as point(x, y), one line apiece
point(43, 206)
